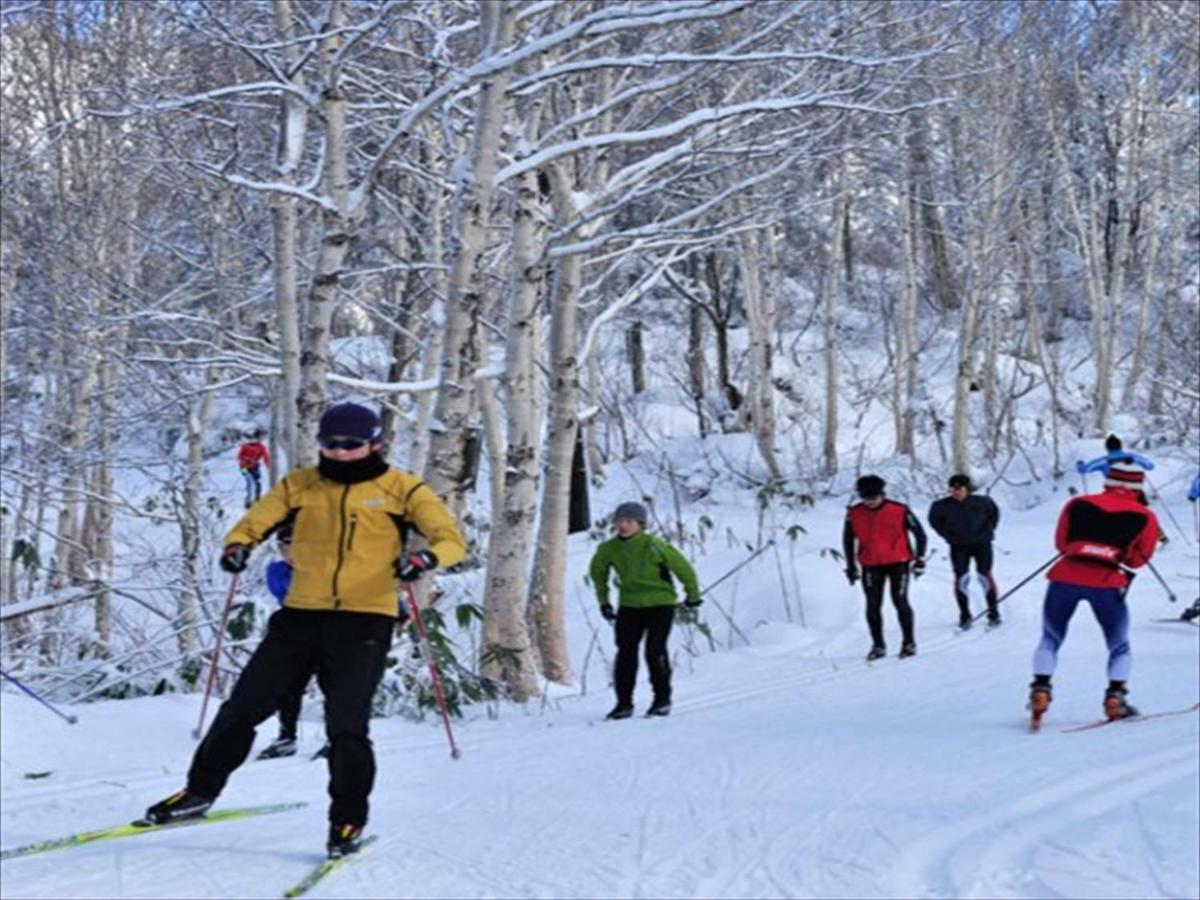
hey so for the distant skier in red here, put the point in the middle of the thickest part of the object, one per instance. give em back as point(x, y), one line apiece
point(1100, 536)
point(250, 454)
point(880, 530)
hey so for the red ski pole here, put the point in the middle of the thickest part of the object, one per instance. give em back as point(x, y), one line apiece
point(212, 669)
point(427, 652)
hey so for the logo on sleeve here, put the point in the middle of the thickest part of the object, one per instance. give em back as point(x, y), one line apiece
point(373, 501)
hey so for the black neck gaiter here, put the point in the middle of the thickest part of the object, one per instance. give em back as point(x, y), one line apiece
point(353, 471)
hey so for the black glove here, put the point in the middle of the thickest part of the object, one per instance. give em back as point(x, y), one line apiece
point(235, 557)
point(692, 602)
point(415, 565)
point(851, 575)
point(918, 567)
point(608, 612)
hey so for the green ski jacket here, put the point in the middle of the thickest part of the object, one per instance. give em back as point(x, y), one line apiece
point(644, 565)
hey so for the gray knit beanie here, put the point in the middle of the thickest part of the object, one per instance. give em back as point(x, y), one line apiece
point(631, 511)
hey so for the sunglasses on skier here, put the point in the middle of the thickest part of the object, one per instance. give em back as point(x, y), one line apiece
point(342, 443)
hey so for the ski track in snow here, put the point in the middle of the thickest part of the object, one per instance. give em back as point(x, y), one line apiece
point(1003, 842)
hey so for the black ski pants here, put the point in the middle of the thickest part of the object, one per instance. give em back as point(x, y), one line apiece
point(348, 651)
point(289, 709)
point(874, 579)
point(654, 623)
point(961, 556)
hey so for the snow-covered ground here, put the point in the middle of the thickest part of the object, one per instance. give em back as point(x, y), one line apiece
point(789, 768)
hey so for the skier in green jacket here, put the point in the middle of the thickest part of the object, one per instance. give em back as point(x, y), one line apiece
point(644, 565)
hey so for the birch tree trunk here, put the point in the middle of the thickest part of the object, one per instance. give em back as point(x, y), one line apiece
point(189, 600)
point(337, 231)
point(760, 316)
point(904, 381)
point(1170, 293)
point(505, 599)
point(472, 212)
point(964, 380)
point(695, 361)
point(945, 284)
point(418, 452)
point(1138, 363)
point(547, 583)
point(829, 318)
point(76, 422)
point(292, 127)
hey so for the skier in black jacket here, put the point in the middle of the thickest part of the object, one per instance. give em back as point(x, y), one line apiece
point(967, 522)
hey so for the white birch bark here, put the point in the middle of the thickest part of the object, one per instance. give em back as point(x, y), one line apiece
point(829, 318)
point(188, 601)
point(471, 215)
point(292, 127)
point(904, 380)
point(513, 517)
point(1137, 363)
point(760, 318)
point(337, 230)
point(431, 356)
point(547, 583)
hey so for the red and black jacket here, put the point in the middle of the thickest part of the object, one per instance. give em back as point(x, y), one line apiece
point(1099, 533)
point(881, 534)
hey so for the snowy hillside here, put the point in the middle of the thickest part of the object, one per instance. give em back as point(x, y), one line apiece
point(788, 769)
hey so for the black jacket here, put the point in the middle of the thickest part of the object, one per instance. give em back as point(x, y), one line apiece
point(969, 521)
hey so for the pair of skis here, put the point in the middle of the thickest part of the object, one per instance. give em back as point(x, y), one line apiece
point(141, 826)
point(1138, 718)
point(1035, 720)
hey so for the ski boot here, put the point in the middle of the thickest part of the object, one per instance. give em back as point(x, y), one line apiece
point(323, 753)
point(659, 708)
point(343, 840)
point(280, 747)
point(1191, 613)
point(1115, 706)
point(964, 621)
point(993, 618)
point(877, 652)
point(907, 649)
point(179, 806)
point(1039, 701)
point(620, 711)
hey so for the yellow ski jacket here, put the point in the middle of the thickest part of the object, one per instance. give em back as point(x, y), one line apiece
point(346, 537)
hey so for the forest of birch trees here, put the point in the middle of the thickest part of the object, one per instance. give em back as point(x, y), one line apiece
point(204, 199)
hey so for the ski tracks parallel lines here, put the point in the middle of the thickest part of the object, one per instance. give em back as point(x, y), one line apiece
point(822, 675)
point(924, 869)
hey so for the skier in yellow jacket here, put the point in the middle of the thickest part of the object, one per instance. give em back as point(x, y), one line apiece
point(349, 515)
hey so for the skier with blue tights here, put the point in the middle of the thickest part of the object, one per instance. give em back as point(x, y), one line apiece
point(1100, 538)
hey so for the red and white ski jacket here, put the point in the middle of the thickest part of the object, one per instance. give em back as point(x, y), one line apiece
point(1099, 533)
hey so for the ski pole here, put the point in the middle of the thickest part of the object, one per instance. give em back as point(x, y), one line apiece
point(427, 652)
point(739, 566)
point(212, 669)
point(1166, 506)
point(745, 562)
point(1024, 581)
point(1170, 593)
point(46, 703)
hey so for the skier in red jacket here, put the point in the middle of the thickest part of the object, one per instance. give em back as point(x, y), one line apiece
point(881, 527)
point(250, 454)
point(1100, 537)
